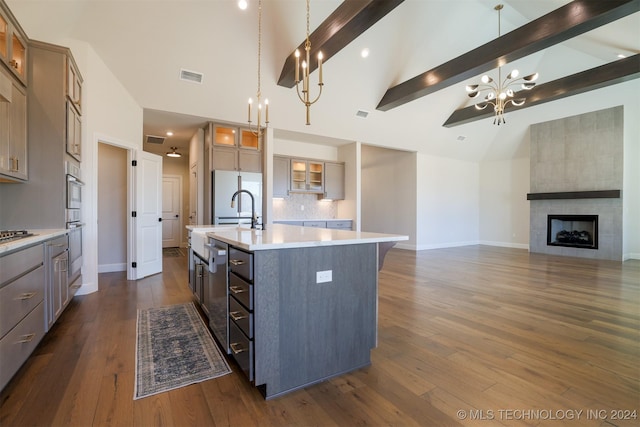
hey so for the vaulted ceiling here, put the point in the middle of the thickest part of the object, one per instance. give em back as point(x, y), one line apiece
point(422, 54)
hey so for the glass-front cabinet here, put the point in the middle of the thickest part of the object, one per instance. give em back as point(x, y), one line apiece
point(307, 176)
point(235, 149)
point(224, 136)
point(13, 46)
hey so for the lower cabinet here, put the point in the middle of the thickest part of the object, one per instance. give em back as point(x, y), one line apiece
point(241, 302)
point(22, 307)
point(57, 252)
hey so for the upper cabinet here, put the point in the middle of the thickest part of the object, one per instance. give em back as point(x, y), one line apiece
point(13, 45)
point(13, 129)
point(307, 176)
point(235, 149)
point(74, 85)
point(281, 174)
point(334, 181)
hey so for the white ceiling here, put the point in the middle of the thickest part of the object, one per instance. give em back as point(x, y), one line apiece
point(145, 43)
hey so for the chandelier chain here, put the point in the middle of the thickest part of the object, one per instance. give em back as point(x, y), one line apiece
point(259, 45)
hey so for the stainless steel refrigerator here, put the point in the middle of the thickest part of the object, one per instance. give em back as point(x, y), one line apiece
point(223, 185)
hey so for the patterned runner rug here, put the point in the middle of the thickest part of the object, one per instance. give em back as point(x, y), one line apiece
point(173, 349)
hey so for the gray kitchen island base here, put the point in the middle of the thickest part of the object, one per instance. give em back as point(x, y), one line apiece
point(306, 332)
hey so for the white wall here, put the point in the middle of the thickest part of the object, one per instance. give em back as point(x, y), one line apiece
point(504, 208)
point(112, 208)
point(631, 180)
point(109, 115)
point(447, 202)
point(304, 150)
point(388, 192)
point(350, 207)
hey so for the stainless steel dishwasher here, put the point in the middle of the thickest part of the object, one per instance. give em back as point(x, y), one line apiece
point(217, 298)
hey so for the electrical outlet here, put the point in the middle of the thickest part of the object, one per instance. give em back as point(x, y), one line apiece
point(324, 276)
point(301, 207)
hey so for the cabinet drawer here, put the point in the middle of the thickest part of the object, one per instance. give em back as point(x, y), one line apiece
point(19, 297)
point(242, 317)
point(319, 224)
point(57, 246)
point(241, 263)
point(19, 262)
point(241, 350)
point(343, 225)
point(20, 342)
point(241, 290)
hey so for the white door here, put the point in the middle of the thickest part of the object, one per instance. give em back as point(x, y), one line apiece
point(148, 178)
point(193, 195)
point(171, 204)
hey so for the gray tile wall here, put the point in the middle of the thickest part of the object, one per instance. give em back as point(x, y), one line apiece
point(579, 153)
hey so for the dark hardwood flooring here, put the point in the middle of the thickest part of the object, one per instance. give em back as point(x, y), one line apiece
point(474, 336)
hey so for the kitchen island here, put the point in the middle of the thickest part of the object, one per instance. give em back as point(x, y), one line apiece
point(302, 302)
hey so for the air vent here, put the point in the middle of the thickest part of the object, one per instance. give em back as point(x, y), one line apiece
point(191, 76)
point(461, 138)
point(155, 139)
point(363, 114)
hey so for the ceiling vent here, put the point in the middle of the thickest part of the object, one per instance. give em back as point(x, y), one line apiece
point(155, 139)
point(190, 76)
point(362, 114)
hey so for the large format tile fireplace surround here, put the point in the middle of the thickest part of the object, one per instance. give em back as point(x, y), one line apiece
point(577, 175)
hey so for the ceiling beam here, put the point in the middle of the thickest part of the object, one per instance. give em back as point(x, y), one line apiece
point(566, 22)
point(344, 25)
point(613, 73)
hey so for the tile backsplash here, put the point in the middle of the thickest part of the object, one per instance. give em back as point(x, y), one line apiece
point(304, 206)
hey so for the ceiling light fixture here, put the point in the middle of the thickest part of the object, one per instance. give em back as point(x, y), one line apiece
point(304, 95)
point(258, 130)
point(169, 133)
point(500, 92)
point(174, 153)
point(242, 4)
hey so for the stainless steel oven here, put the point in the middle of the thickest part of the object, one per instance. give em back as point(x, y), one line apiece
point(74, 224)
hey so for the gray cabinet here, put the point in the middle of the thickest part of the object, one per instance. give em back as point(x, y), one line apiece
point(13, 128)
point(235, 149)
point(307, 176)
point(13, 45)
point(334, 181)
point(73, 136)
point(22, 318)
point(57, 262)
point(281, 176)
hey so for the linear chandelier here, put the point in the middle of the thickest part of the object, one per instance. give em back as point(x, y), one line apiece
point(259, 126)
point(304, 94)
point(501, 93)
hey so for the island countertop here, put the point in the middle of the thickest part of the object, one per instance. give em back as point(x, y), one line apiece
point(280, 236)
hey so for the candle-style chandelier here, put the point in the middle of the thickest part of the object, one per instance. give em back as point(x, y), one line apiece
point(501, 92)
point(304, 93)
point(258, 129)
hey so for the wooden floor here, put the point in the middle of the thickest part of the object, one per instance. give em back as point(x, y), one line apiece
point(476, 335)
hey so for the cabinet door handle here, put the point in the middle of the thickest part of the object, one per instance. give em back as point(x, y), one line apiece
point(236, 262)
point(237, 289)
point(74, 287)
point(237, 315)
point(26, 339)
point(237, 348)
point(25, 295)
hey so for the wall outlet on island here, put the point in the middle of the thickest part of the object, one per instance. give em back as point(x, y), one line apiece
point(301, 207)
point(324, 276)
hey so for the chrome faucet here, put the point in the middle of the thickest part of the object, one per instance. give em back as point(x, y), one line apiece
point(254, 217)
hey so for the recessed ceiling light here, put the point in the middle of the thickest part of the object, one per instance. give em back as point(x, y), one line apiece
point(622, 55)
point(365, 52)
point(169, 133)
point(242, 4)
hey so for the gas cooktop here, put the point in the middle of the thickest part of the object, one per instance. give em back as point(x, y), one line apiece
point(11, 235)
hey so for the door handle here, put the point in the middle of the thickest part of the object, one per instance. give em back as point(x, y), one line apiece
point(177, 216)
point(159, 219)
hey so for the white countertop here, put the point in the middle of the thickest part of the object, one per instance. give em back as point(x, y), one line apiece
point(280, 236)
point(39, 236)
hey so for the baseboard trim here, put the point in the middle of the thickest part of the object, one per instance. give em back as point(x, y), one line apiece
point(110, 268)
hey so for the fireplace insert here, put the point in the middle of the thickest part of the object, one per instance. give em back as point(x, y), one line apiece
point(577, 231)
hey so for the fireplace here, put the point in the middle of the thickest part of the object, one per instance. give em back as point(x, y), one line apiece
point(575, 231)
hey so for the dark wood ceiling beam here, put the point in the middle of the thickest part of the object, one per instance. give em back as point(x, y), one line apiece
point(344, 25)
point(566, 22)
point(613, 73)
